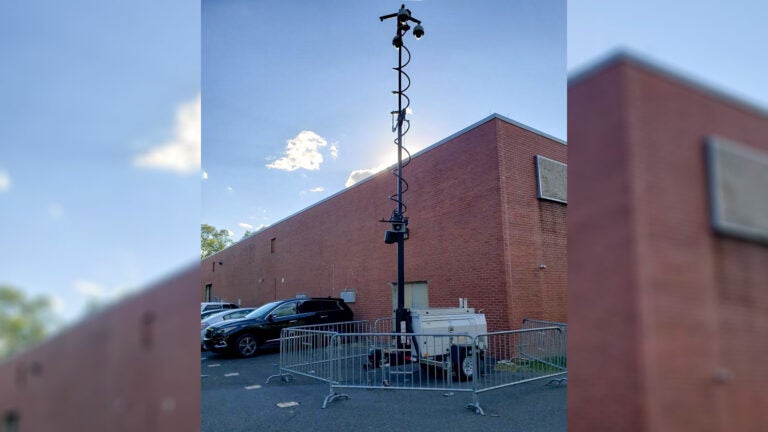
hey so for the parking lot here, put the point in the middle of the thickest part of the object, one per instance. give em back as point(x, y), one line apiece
point(235, 398)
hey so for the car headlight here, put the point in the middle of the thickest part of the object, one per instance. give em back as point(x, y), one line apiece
point(227, 330)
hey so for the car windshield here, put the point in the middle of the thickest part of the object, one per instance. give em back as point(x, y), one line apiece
point(263, 310)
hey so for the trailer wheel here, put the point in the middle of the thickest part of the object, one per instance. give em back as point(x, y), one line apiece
point(461, 363)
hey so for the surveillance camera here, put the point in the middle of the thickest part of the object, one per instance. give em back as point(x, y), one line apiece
point(418, 31)
point(403, 14)
point(397, 42)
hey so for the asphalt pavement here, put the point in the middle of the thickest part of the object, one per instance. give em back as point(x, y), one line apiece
point(236, 398)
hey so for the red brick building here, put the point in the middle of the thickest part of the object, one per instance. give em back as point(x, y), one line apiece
point(668, 254)
point(478, 230)
point(130, 367)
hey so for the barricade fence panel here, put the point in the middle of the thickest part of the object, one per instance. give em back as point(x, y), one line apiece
point(307, 350)
point(529, 323)
point(384, 325)
point(360, 326)
point(513, 357)
point(402, 361)
point(349, 355)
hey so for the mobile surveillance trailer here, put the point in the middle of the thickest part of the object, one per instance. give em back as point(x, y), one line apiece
point(442, 338)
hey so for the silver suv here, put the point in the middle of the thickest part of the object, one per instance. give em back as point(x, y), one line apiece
point(220, 306)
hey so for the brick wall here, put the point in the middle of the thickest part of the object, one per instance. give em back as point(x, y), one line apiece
point(131, 367)
point(535, 230)
point(665, 315)
point(457, 243)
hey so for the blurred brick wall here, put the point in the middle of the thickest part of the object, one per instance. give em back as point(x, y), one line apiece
point(658, 340)
point(133, 366)
point(477, 231)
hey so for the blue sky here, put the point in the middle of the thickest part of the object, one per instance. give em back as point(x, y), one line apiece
point(100, 182)
point(719, 44)
point(99, 146)
point(317, 76)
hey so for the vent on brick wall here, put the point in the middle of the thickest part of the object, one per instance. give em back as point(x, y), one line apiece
point(551, 179)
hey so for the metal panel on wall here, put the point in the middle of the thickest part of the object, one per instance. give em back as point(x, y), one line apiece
point(551, 179)
point(738, 189)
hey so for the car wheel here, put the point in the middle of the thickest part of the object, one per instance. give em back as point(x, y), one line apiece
point(247, 345)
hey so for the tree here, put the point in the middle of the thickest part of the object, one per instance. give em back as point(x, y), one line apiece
point(23, 321)
point(213, 240)
point(246, 234)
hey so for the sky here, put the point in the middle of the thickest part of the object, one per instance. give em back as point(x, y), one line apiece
point(101, 185)
point(99, 147)
point(297, 95)
point(719, 44)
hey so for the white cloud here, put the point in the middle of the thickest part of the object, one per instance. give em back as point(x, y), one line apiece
point(357, 175)
point(5, 181)
point(229, 188)
point(230, 233)
point(303, 151)
point(181, 154)
point(250, 228)
point(89, 288)
point(334, 150)
point(317, 189)
point(205, 175)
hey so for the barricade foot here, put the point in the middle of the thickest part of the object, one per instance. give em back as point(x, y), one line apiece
point(332, 397)
point(476, 407)
point(284, 377)
point(558, 381)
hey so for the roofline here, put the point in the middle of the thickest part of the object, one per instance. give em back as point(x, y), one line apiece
point(422, 151)
point(666, 71)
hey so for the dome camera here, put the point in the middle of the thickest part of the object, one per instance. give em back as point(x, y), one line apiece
point(418, 31)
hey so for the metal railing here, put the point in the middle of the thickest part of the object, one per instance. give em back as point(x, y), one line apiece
point(529, 323)
point(307, 350)
point(384, 325)
point(533, 323)
point(400, 361)
point(349, 356)
point(518, 356)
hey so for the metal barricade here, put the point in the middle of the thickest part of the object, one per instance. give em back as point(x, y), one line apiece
point(529, 323)
point(533, 323)
point(401, 361)
point(347, 356)
point(360, 326)
point(384, 325)
point(308, 350)
point(518, 356)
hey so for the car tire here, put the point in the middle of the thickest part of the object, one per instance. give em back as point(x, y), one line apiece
point(246, 345)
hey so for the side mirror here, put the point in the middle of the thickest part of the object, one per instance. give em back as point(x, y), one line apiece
point(271, 318)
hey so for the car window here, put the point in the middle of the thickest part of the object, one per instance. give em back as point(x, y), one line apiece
point(263, 310)
point(310, 306)
point(318, 306)
point(230, 306)
point(238, 314)
point(285, 310)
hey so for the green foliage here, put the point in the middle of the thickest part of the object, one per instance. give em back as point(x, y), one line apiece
point(246, 234)
point(213, 240)
point(23, 321)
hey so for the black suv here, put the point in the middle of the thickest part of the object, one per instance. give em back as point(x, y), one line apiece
point(261, 327)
